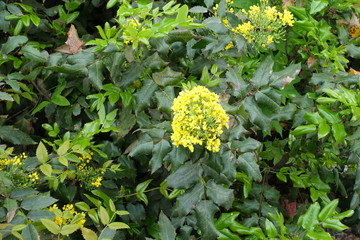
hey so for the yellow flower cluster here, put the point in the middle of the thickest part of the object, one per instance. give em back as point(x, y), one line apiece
point(264, 26)
point(229, 45)
point(16, 161)
point(97, 182)
point(198, 119)
point(67, 215)
point(33, 177)
point(228, 2)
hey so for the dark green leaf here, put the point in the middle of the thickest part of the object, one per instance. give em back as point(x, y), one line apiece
point(159, 152)
point(317, 6)
point(353, 50)
point(256, 114)
point(185, 176)
point(155, 62)
point(36, 215)
point(220, 195)
point(29, 232)
point(167, 231)
point(188, 200)
point(15, 136)
point(37, 202)
point(247, 163)
point(95, 74)
point(34, 54)
point(205, 211)
point(143, 97)
point(12, 43)
point(198, 9)
point(168, 77)
point(263, 73)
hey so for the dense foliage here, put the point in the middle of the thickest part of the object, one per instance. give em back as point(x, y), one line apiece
point(173, 119)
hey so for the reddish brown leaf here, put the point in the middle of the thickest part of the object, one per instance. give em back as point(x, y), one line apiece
point(290, 207)
point(310, 62)
point(73, 41)
point(353, 72)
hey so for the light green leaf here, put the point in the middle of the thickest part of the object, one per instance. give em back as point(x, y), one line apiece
point(88, 234)
point(317, 6)
point(103, 215)
point(338, 130)
point(118, 225)
point(310, 218)
point(63, 148)
point(270, 229)
point(6, 97)
point(51, 225)
point(59, 100)
point(323, 130)
point(69, 229)
point(46, 169)
point(334, 224)
point(303, 129)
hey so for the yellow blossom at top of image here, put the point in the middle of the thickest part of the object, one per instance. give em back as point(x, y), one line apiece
point(198, 119)
point(270, 13)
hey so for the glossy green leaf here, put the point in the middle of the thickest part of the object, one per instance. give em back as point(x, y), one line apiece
point(310, 218)
point(323, 130)
point(160, 150)
point(15, 136)
point(303, 129)
point(319, 235)
point(270, 229)
point(95, 74)
point(168, 77)
point(188, 200)
point(205, 211)
point(226, 219)
point(339, 133)
point(185, 176)
point(263, 73)
point(317, 6)
point(118, 225)
point(329, 210)
point(334, 224)
point(34, 54)
point(247, 163)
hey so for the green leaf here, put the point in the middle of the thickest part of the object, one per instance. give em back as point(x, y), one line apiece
point(198, 9)
point(353, 50)
point(168, 77)
point(34, 54)
point(160, 150)
point(205, 211)
point(310, 218)
point(167, 231)
point(46, 169)
point(226, 219)
point(103, 215)
point(15, 136)
point(41, 153)
point(319, 235)
point(270, 229)
point(60, 100)
point(338, 130)
point(143, 97)
point(182, 14)
point(343, 215)
point(64, 147)
point(140, 188)
point(317, 6)
point(12, 43)
point(37, 202)
point(323, 130)
point(329, 210)
point(185, 176)
point(82, 206)
point(51, 225)
point(330, 116)
point(118, 225)
point(263, 73)
point(256, 115)
point(6, 97)
point(69, 229)
point(95, 74)
point(190, 198)
point(247, 163)
point(334, 224)
point(40, 106)
point(303, 129)
point(313, 118)
point(29, 232)
point(36, 215)
point(155, 62)
point(88, 234)
point(220, 195)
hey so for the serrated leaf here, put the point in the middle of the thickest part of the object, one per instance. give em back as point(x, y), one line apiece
point(167, 231)
point(159, 152)
point(205, 211)
point(103, 215)
point(256, 115)
point(51, 226)
point(263, 73)
point(34, 54)
point(12, 43)
point(353, 50)
point(185, 176)
point(95, 74)
point(64, 147)
point(88, 234)
point(29, 232)
point(168, 77)
point(188, 200)
point(118, 225)
point(155, 62)
point(247, 163)
point(69, 229)
point(220, 195)
point(41, 153)
point(46, 169)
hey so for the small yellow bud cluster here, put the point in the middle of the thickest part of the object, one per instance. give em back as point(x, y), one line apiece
point(67, 214)
point(97, 182)
point(264, 26)
point(198, 119)
point(33, 177)
point(16, 161)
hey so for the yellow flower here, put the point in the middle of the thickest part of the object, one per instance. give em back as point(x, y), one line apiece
point(287, 18)
point(97, 182)
point(33, 176)
point(198, 119)
point(270, 39)
point(229, 45)
point(270, 13)
point(254, 11)
point(70, 208)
